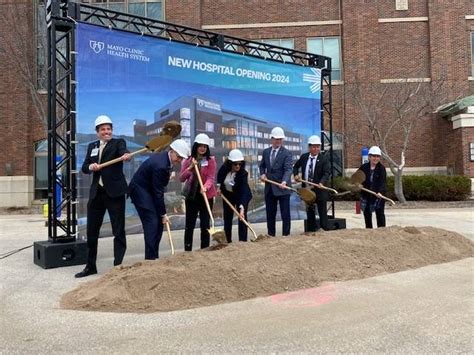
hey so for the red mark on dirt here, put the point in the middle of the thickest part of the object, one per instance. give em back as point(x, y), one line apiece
point(310, 297)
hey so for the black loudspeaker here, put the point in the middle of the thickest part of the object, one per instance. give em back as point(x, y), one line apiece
point(336, 223)
point(333, 224)
point(49, 255)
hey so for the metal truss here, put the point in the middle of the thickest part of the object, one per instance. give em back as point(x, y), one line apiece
point(62, 190)
point(61, 18)
point(145, 26)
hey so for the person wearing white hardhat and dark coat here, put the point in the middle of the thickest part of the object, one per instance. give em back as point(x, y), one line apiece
point(107, 192)
point(194, 199)
point(375, 180)
point(147, 192)
point(315, 167)
point(276, 165)
point(232, 182)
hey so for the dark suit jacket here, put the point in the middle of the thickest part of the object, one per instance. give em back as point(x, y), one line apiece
point(113, 178)
point(241, 190)
point(379, 181)
point(280, 171)
point(147, 188)
point(321, 172)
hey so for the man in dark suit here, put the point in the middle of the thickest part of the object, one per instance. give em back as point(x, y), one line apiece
point(315, 168)
point(276, 165)
point(107, 192)
point(147, 191)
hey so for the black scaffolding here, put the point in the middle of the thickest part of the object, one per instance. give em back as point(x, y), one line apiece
point(61, 17)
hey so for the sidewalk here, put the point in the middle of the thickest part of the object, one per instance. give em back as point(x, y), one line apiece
point(424, 310)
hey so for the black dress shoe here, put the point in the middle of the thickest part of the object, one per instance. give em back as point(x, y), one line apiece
point(86, 272)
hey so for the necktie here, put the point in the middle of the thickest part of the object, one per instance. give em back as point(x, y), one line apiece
point(310, 170)
point(272, 158)
point(101, 149)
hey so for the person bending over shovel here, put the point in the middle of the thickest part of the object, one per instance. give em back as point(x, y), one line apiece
point(375, 180)
point(194, 195)
point(107, 192)
point(147, 190)
point(232, 183)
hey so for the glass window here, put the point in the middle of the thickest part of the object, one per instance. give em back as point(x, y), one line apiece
point(41, 48)
point(284, 42)
point(329, 47)
point(185, 128)
point(471, 151)
point(472, 53)
point(41, 169)
point(209, 127)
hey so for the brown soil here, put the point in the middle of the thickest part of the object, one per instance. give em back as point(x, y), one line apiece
point(270, 266)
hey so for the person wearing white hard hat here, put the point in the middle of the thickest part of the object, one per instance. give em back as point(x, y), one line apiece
point(276, 165)
point(194, 199)
point(232, 182)
point(375, 180)
point(107, 192)
point(147, 192)
point(315, 167)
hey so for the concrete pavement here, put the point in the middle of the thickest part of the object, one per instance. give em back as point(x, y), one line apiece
point(424, 310)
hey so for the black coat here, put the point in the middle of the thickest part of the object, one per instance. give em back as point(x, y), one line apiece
point(321, 172)
point(241, 193)
point(113, 178)
point(379, 180)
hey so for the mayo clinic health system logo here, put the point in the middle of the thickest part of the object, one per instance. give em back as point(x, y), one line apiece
point(96, 46)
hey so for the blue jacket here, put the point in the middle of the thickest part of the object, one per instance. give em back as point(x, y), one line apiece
point(280, 171)
point(148, 185)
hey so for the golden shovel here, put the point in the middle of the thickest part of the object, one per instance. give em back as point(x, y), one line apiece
point(238, 215)
point(217, 234)
point(169, 131)
point(358, 178)
point(307, 195)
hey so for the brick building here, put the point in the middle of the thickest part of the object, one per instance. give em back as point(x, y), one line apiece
point(373, 44)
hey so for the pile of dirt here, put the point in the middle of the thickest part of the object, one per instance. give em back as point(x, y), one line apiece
point(271, 266)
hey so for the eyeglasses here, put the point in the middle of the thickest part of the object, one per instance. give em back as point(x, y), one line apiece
point(238, 163)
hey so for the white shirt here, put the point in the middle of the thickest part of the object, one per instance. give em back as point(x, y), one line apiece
point(306, 171)
point(229, 181)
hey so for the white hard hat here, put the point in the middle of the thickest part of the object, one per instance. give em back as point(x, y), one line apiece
point(202, 138)
point(102, 119)
point(314, 140)
point(374, 150)
point(181, 147)
point(236, 155)
point(277, 133)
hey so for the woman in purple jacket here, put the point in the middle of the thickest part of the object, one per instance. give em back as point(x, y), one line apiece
point(194, 199)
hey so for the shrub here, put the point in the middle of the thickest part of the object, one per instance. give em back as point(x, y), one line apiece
point(416, 188)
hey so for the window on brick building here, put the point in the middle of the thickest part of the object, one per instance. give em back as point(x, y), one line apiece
point(472, 53)
point(329, 47)
point(41, 47)
point(471, 151)
point(147, 8)
point(41, 169)
point(284, 42)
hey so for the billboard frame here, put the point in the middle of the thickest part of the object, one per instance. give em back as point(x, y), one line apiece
point(62, 15)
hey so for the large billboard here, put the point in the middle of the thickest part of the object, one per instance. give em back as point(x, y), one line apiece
point(142, 82)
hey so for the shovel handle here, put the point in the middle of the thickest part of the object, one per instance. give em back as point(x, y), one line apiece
point(278, 184)
point(376, 194)
point(238, 215)
point(198, 173)
point(168, 230)
point(116, 160)
point(319, 186)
